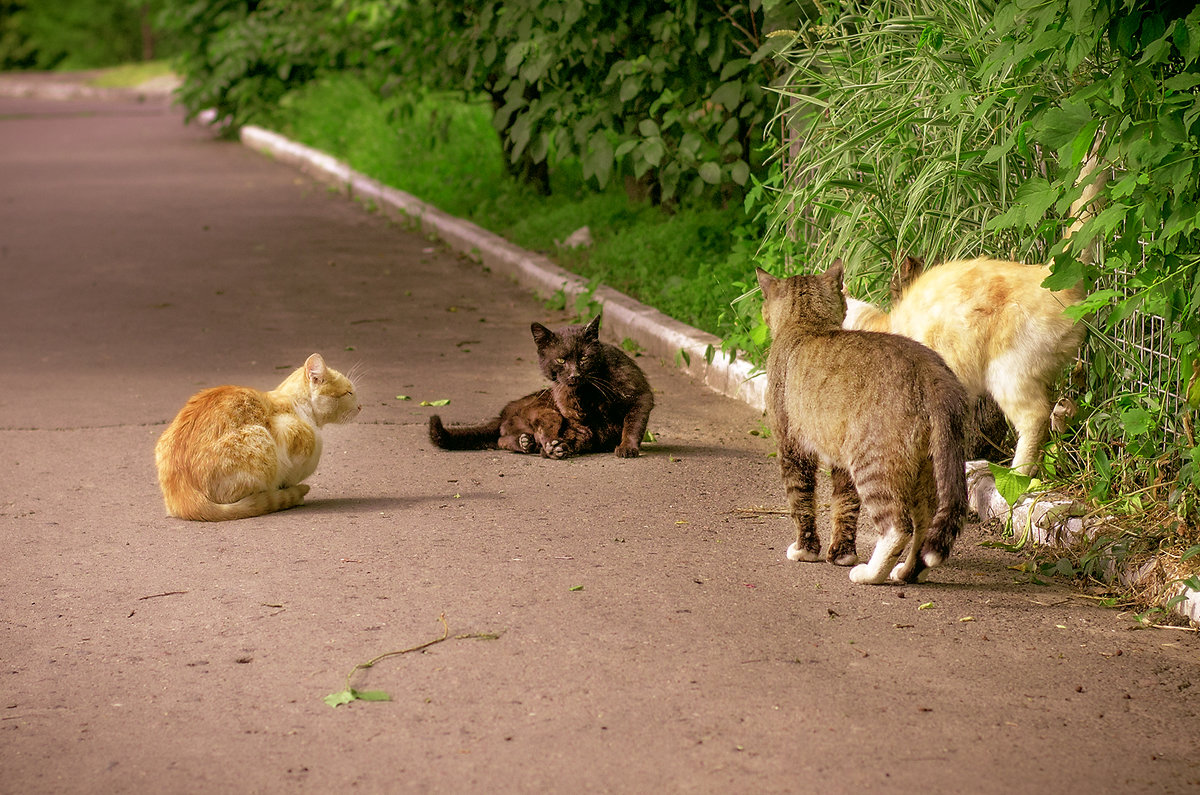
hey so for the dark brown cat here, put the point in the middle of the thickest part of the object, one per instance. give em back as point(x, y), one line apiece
point(883, 411)
point(598, 399)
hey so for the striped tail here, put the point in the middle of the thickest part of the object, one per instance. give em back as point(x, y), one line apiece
point(950, 476)
point(202, 509)
point(485, 436)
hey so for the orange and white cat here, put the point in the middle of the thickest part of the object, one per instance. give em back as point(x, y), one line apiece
point(997, 328)
point(233, 452)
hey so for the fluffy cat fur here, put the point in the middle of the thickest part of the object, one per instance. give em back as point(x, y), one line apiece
point(998, 329)
point(598, 400)
point(233, 452)
point(884, 412)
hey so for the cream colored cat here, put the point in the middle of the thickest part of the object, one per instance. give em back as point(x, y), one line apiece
point(234, 452)
point(998, 329)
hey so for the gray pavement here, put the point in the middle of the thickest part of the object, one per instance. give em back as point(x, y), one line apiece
point(651, 634)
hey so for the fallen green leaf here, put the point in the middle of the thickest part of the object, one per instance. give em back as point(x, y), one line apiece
point(925, 606)
point(576, 588)
point(442, 402)
point(337, 699)
point(403, 397)
point(350, 694)
point(372, 695)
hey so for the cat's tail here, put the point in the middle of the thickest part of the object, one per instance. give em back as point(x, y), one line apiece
point(484, 436)
point(202, 509)
point(950, 476)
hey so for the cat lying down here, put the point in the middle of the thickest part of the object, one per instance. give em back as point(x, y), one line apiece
point(598, 400)
point(233, 452)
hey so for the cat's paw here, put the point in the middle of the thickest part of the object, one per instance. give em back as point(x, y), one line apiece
point(628, 451)
point(527, 443)
point(555, 449)
point(863, 575)
point(901, 572)
point(842, 553)
point(908, 572)
point(794, 552)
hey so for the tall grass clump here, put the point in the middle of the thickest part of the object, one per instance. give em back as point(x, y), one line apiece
point(893, 137)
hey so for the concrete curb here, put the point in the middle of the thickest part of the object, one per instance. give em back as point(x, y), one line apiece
point(1052, 522)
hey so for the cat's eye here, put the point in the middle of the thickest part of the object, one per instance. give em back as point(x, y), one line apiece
point(561, 361)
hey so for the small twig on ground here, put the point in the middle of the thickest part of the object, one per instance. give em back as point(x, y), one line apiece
point(762, 511)
point(350, 694)
point(164, 593)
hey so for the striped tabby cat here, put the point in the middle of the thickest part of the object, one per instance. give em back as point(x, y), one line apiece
point(883, 411)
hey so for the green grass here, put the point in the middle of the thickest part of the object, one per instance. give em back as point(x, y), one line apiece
point(131, 75)
point(689, 263)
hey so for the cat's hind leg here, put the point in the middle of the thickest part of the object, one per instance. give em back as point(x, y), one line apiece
point(890, 517)
point(845, 508)
point(799, 473)
point(913, 565)
point(883, 560)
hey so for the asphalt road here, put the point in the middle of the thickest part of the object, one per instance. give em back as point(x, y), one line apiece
point(614, 625)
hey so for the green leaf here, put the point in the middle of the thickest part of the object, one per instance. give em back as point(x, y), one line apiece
point(630, 88)
point(1092, 303)
point(371, 695)
point(575, 588)
point(1065, 275)
point(337, 699)
point(1059, 126)
point(740, 172)
point(729, 95)
point(442, 402)
point(1137, 421)
point(710, 172)
point(403, 397)
point(1011, 484)
point(648, 128)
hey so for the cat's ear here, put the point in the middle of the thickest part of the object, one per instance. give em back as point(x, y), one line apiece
point(314, 369)
point(541, 335)
point(836, 273)
point(592, 329)
point(765, 280)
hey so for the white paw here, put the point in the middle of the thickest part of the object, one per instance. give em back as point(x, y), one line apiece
point(897, 574)
point(846, 560)
point(862, 575)
point(796, 553)
point(932, 559)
